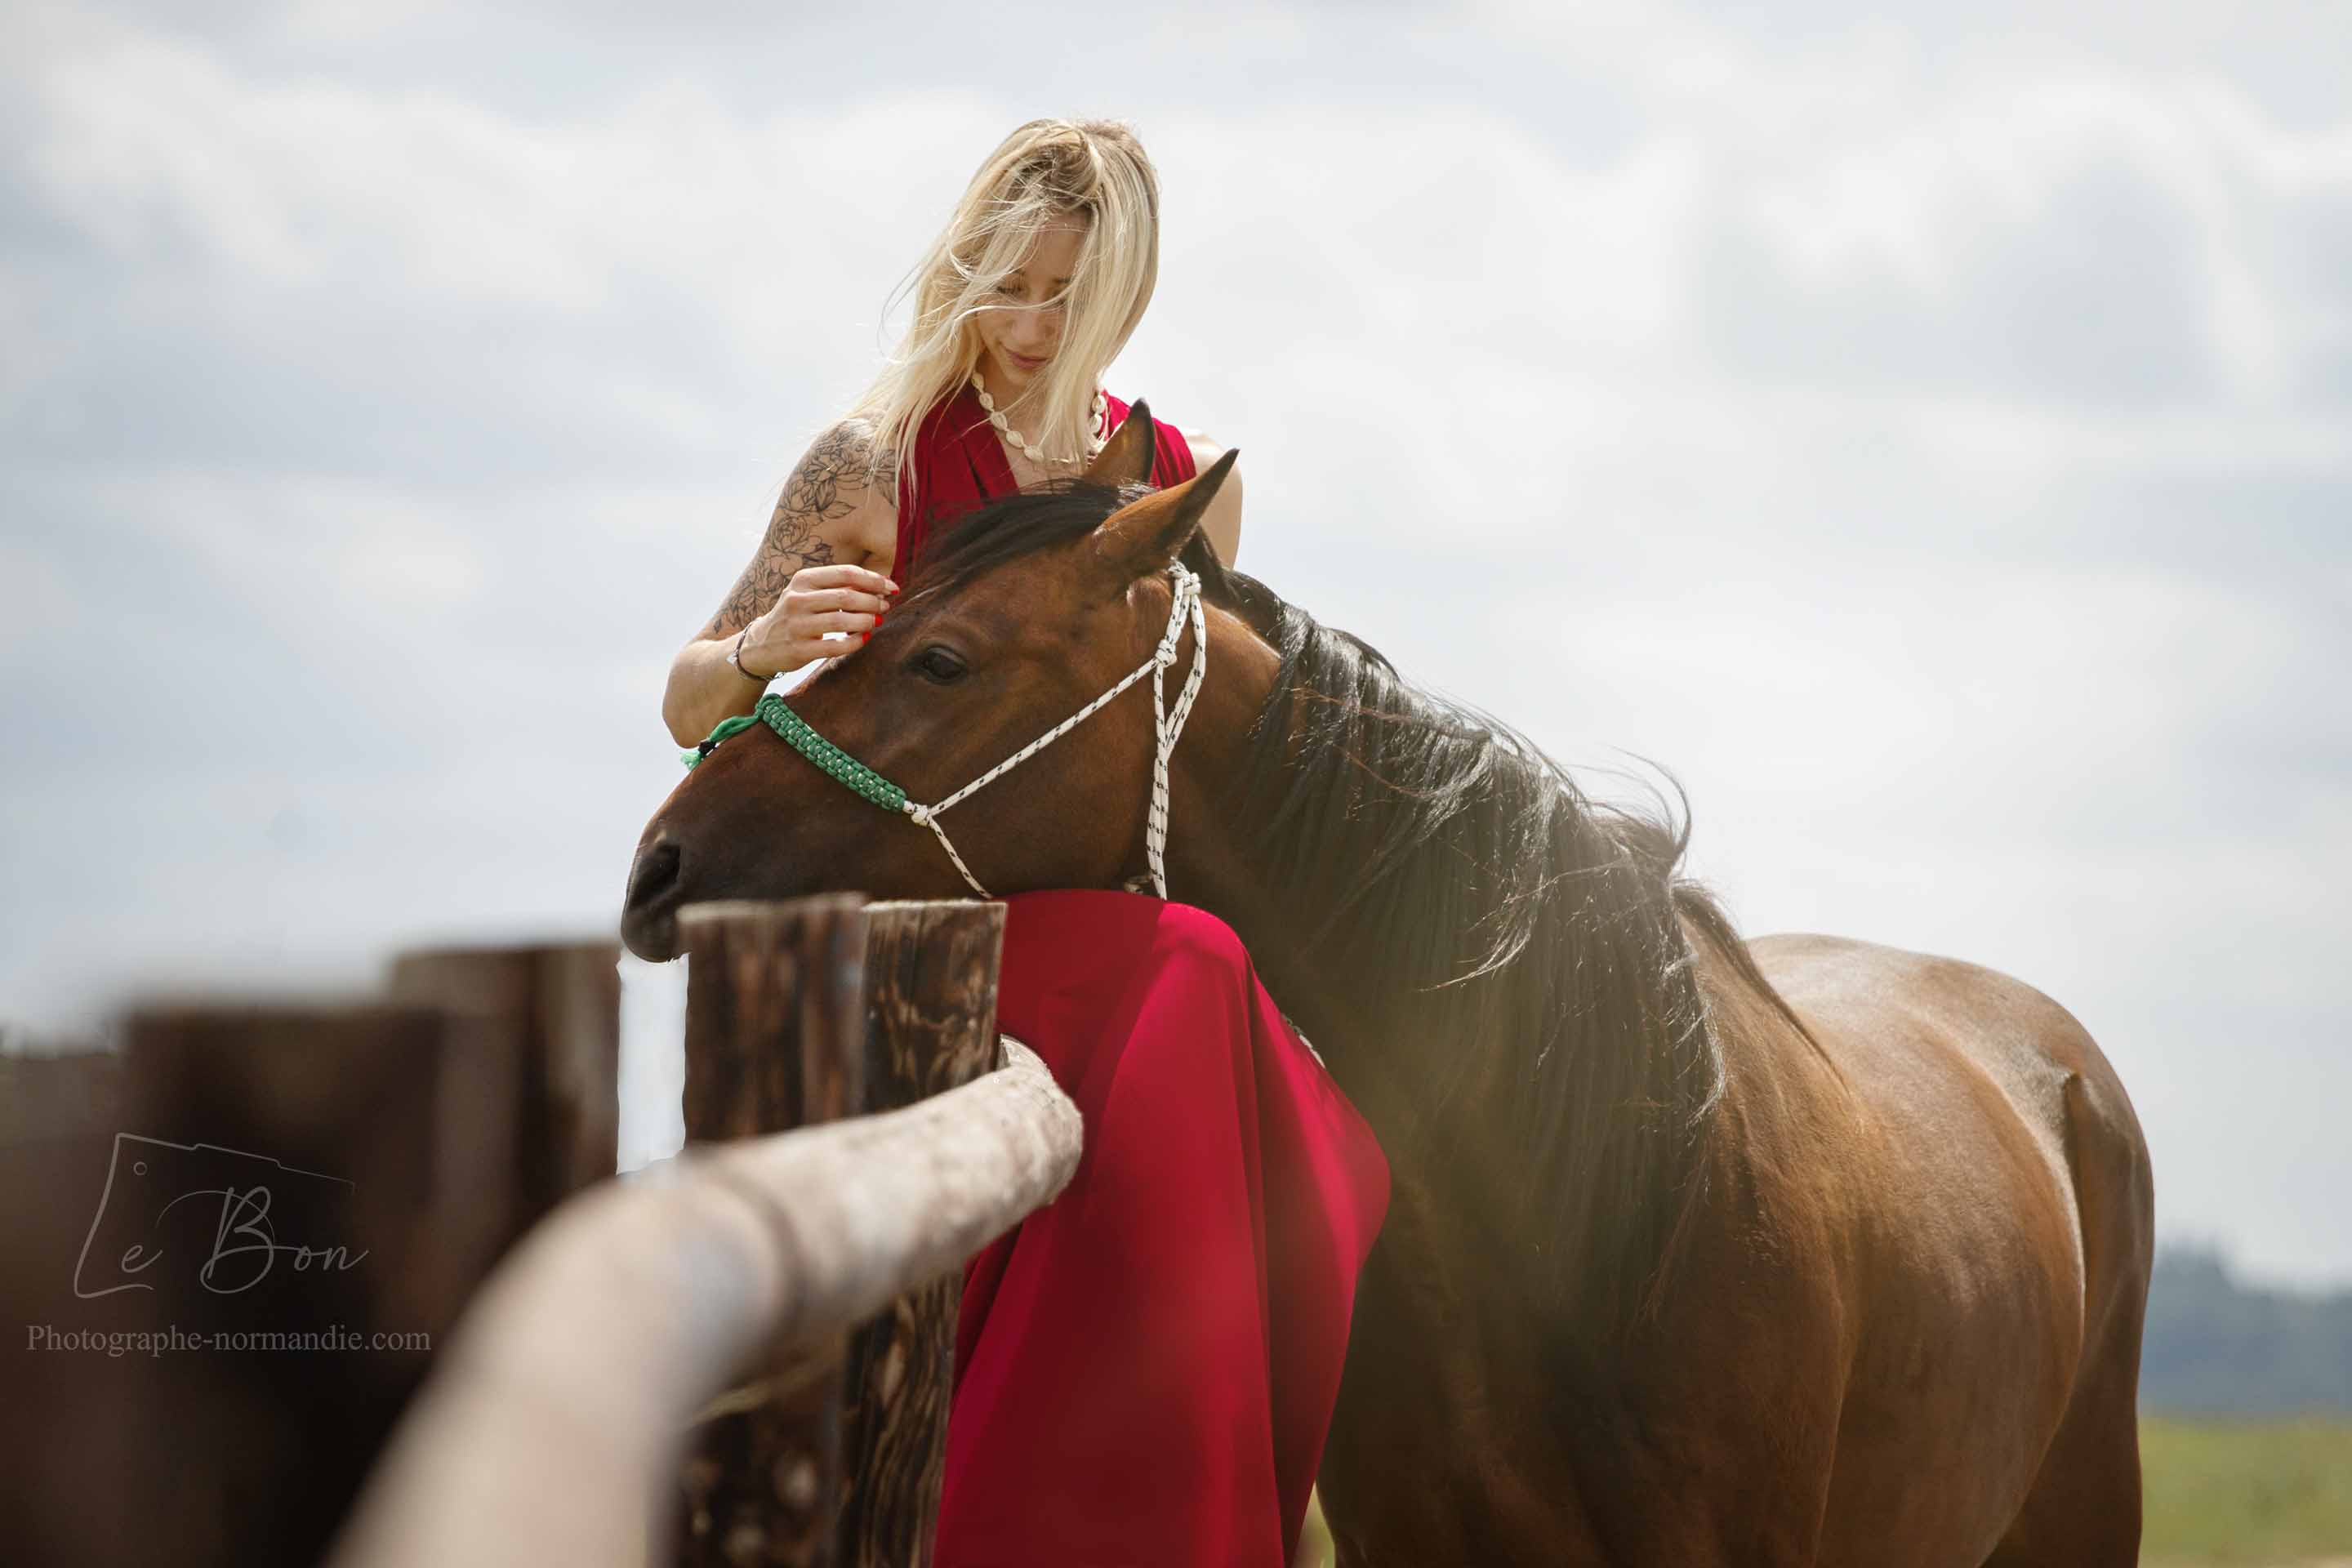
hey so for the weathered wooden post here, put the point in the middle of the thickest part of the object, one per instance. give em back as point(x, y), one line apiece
point(774, 1039)
point(832, 1455)
point(532, 1102)
point(58, 1116)
point(271, 1204)
point(930, 997)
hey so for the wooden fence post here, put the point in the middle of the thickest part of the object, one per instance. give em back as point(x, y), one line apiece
point(273, 1198)
point(59, 1117)
point(532, 1108)
point(833, 1454)
point(775, 1040)
point(931, 987)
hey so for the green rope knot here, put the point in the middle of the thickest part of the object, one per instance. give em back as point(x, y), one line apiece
point(735, 726)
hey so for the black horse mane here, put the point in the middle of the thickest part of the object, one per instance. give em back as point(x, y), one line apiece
point(1530, 939)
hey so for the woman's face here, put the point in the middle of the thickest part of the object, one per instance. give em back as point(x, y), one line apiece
point(1023, 333)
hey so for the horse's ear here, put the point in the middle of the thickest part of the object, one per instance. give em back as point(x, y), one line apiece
point(1126, 458)
point(1146, 535)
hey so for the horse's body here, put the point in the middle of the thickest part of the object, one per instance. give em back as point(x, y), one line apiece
point(1907, 1328)
point(1699, 1252)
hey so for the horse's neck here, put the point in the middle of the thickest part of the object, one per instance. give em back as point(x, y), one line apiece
point(1370, 1034)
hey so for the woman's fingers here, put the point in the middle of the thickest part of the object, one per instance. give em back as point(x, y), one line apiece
point(832, 621)
point(846, 600)
point(802, 603)
point(842, 575)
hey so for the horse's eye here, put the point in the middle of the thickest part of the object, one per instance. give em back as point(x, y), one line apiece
point(939, 665)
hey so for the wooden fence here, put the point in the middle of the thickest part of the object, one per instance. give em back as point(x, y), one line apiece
point(299, 1282)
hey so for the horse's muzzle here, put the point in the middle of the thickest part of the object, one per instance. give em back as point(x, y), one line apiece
point(649, 909)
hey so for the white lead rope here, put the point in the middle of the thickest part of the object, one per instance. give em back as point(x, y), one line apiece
point(1168, 725)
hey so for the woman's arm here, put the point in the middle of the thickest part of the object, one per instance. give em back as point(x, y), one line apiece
point(1222, 522)
point(811, 575)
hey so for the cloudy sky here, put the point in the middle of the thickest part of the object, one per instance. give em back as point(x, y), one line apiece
point(1929, 435)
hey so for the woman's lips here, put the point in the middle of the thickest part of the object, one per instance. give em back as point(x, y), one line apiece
point(1023, 362)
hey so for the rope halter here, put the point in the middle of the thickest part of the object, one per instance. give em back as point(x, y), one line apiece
point(1168, 725)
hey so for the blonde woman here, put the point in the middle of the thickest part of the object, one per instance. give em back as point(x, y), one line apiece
point(1039, 280)
point(1146, 1368)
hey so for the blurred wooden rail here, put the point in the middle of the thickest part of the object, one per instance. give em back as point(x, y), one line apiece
point(743, 1357)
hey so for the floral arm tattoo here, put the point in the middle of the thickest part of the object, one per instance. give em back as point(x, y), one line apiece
point(825, 488)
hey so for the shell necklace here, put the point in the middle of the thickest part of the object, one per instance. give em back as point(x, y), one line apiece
point(1095, 437)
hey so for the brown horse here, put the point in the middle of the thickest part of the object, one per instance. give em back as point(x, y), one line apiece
point(1700, 1252)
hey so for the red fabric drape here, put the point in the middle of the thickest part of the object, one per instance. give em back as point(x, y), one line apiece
point(1146, 1367)
point(958, 463)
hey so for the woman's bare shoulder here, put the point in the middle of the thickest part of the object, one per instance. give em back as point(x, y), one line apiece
point(844, 492)
point(1206, 448)
point(1222, 522)
point(844, 466)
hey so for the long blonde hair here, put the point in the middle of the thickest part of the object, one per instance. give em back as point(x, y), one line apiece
point(1046, 170)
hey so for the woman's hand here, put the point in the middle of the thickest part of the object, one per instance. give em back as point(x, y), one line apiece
point(816, 601)
point(841, 505)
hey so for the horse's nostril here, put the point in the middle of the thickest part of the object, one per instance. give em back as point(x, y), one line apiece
point(655, 875)
point(646, 907)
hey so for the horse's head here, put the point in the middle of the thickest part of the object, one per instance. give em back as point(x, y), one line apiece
point(1026, 614)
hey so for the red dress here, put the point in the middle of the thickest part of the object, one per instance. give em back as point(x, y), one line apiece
point(1146, 1367)
point(960, 464)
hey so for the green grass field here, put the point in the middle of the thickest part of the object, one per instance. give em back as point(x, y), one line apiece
point(2272, 1493)
point(2264, 1492)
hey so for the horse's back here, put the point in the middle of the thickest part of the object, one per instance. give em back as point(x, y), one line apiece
point(2000, 1184)
point(1907, 1029)
point(2027, 1041)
